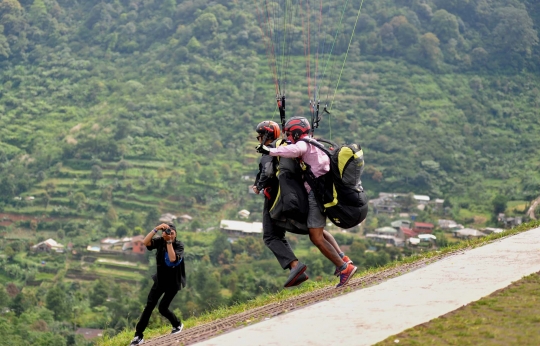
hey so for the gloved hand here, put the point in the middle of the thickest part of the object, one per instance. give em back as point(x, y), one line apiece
point(263, 149)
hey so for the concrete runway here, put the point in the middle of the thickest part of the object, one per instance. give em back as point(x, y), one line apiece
point(370, 315)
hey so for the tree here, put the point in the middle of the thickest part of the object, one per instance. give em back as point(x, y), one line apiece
point(96, 173)
point(99, 293)
point(57, 301)
point(152, 218)
point(406, 34)
point(123, 166)
point(205, 25)
point(4, 297)
point(499, 204)
point(219, 245)
point(110, 218)
point(515, 31)
point(445, 25)
point(122, 230)
point(428, 50)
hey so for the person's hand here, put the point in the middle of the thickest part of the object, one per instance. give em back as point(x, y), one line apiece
point(263, 149)
point(255, 189)
point(162, 227)
point(168, 237)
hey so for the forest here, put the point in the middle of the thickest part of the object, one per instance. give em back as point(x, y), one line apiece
point(113, 112)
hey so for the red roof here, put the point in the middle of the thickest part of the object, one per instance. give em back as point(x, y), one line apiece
point(408, 232)
point(423, 225)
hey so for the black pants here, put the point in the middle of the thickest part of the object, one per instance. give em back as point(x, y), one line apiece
point(153, 297)
point(274, 238)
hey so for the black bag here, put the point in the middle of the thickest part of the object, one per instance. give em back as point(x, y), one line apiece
point(289, 205)
point(339, 192)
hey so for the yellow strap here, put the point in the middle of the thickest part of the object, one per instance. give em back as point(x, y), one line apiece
point(277, 198)
point(334, 201)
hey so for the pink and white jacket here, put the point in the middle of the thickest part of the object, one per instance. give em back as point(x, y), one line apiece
point(311, 155)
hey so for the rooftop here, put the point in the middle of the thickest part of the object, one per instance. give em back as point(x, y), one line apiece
point(241, 226)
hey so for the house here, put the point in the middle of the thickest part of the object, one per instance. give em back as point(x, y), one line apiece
point(111, 244)
point(89, 333)
point(386, 231)
point(167, 218)
point(384, 204)
point(422, 199)
point(438, 204)
point(446, 224)
point(509, 222)
point(243, 214)
point(407, 233)
point(49, 245)
point(385, 238)
point(136, 245)
point(490, 230)
point(185, 218)
point(423, 227)
point(240, 228)
point(401, 223)
point(93, 248)
point(468, 233)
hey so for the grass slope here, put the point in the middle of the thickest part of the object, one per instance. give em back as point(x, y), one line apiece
point(125, 336)
point(510, 316)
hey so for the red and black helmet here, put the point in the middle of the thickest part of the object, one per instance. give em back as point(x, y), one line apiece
point(296, 127)
point(268, 128)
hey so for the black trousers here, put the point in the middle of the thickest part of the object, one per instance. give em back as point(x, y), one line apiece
point(274, 238)
point(153, 297)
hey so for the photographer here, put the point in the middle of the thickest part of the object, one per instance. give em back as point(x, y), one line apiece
point(170, 278)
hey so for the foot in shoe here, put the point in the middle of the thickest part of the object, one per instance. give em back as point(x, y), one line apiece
point(178, 329)
point(346, 275)
point(137, 340)
point(295, 273)
point(303, 277)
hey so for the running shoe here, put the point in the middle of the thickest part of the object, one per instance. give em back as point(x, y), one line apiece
point(178, 329)
point(346, 275)
point(137, 340)
point(345, 259)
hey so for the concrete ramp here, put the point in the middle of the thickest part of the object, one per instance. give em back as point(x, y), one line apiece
point(370, 315)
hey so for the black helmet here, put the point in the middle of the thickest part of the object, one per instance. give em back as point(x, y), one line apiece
point(268, 128)
point(296, 127)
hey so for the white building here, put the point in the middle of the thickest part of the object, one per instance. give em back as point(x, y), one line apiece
point(240, 228)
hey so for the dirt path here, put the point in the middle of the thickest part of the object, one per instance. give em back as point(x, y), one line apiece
point(387, 306)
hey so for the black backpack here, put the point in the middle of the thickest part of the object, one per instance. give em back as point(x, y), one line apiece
point(339, 192)
point(289, 207)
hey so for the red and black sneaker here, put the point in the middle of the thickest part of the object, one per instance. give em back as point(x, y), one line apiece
point(346, 275)
point(345, 259)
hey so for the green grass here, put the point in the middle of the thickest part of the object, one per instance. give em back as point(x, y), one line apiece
point(507, 317)
point(265, 299)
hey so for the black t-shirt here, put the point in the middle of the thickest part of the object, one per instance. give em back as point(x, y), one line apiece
point(169, 274)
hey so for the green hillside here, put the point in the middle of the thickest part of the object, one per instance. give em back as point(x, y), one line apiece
point(113, 112)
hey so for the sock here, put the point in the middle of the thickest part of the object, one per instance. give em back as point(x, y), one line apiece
point(343, 267)
point(341, 254)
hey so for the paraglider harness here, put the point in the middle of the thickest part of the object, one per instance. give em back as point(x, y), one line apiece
point(339, 193)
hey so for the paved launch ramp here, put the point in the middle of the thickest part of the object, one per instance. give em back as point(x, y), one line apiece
point(366, 316)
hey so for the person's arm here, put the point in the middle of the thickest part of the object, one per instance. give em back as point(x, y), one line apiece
point(174, 255)
point(266, 172)
point(148, 239)
point(290, 151)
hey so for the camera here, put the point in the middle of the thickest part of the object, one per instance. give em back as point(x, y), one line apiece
point(167, 230)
